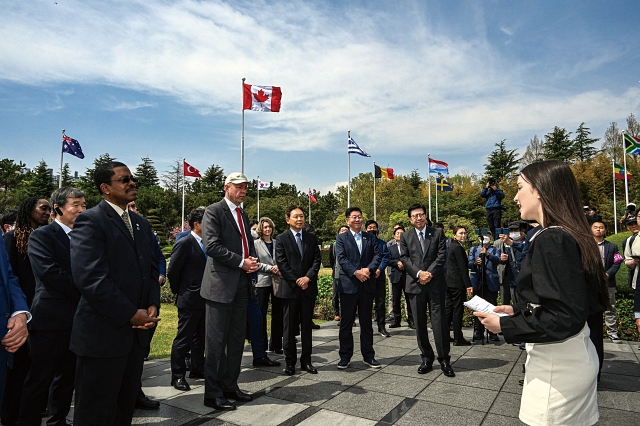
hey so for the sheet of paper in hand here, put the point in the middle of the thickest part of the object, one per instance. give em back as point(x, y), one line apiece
point(478, 304)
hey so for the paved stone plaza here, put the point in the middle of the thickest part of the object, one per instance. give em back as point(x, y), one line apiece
point(485, 390)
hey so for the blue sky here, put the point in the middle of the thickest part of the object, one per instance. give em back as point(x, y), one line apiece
point(163, 79)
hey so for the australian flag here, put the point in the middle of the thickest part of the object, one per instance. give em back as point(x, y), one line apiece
point(71, 146)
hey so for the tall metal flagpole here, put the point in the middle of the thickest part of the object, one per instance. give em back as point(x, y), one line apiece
point(348, 172)
point(626, 181)
point(242, 140)
point(183, 180)
point(258, 185)
point(374, 191)
point(429, 183)
point(615, 213)
point(61, 154)
point(437, 197)
point(309, 197)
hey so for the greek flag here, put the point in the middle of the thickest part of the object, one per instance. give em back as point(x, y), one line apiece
point(355, 149)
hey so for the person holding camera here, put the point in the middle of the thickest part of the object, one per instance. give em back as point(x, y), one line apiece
point(494, 196)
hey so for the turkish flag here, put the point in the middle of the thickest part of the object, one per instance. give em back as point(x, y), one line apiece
point(262, 98)
point(189, 170)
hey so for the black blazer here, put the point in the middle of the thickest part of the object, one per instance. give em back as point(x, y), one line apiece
point(56, 298)
point(293, 266)
point(21, 266)
point(186, 269)
point(431, 261)
point(611, 267)
point(457, 268)
point(116, 275)
point(396, 275)
point(350, 260)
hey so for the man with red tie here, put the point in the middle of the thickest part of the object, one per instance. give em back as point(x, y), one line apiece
point(225, 287)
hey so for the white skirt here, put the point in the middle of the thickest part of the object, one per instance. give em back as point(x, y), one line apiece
point(560, 383)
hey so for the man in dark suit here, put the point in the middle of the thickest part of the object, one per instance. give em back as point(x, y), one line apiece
point(398, 277)
point(13, 305)
point(114, 269)
point(225, 287)
point(359, 255)
point(54, 305)
point(423, 255)
point(186, 269)
point(380, 295)
point(298, 260)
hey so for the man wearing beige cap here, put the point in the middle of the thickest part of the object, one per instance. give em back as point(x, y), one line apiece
point(225, 287)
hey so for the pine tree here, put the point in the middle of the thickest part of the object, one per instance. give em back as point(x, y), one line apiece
point(172, 178)
point(146, 173)
point(582, 143)
point(533, 153)
point(558, 145)
point(503, 162)
point(10, 176)
point(67, 178)
point(39, 181)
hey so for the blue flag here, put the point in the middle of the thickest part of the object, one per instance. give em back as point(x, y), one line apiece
point(443, 185)
point(71, 146)
point(355, 149)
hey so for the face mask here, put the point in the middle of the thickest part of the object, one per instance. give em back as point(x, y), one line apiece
point(514, 235)
point(254, 234)
point(486, 240)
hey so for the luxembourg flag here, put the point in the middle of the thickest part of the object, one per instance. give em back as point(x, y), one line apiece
point(436, 166)
point(262, 98)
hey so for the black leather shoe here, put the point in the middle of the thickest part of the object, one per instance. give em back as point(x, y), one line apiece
point(265, 362)
point(310, 369)
point(494, 337)
point(447, 369)
point(315, 326)
point(196, 375)
point(278, 351)
point(219, 403)
point(478, 337)
point(290, 370)
point(425, 367)
point(462, 342)
point(391, 318)
point(394, 324)
point(180, 384)
point(238, 396)
point(383, 332)
point(411, 325)
point(147, 404)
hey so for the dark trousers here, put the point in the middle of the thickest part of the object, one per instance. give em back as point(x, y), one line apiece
point(380, 300)
point(254, 320)
point(335, 299)
point(107, 388)
point(50, 359)
point(190, 337)
point(494, 216)
point(455, 309)
point(396, 299)
point(489, 296)
point(15, 383)
point(264, 294)
point(225, 330)
point(440, 328)
point(298, 310)
point(362, 301)
point(594, 322)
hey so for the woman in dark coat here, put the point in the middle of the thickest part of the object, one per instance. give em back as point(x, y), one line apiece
point(458, 284)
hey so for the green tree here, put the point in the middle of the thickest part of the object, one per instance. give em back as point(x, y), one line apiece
point(533, 153)
point(212, 181)
point(173, 178)
point(67, 177)
point(612, 142)
point(10, 173)
point(582, 143)
point(146, 173)
point(414, 179)
point(86, 183)
point(502, 162)
point(633, 127)
point(558, 145)
point(38, 182)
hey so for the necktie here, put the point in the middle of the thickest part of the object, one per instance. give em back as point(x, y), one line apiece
point(359, 241)
point(299, 242)
point(422, 240)
point(125, 217)
point(245, 245)
point(202, 246)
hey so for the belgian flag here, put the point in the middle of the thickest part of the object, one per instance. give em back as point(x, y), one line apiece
point(383, 173)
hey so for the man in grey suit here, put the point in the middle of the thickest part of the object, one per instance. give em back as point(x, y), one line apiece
point(225, 287)
point(423, 252)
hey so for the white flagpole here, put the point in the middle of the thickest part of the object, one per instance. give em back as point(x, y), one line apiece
point(348, 172)
point(242, 140)
point(429, 183)
point(626, 181)
point(615, 213)
point(183, 180)
point(61, 154)
point(258, 185)
point(374, 191)
point(309, 197)
point(437, 197)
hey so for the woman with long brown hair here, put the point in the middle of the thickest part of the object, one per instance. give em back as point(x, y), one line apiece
point(562, 282)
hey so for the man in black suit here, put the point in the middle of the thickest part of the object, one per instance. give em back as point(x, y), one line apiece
point(114, 269)
point(225, 287)
point(423, 255)
point(186, 269)
point(398, 277)
point(54, 305)
point(298, 260)
point(358, 254)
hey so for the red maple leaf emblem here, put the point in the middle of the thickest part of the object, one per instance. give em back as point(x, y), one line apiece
point(261, 96)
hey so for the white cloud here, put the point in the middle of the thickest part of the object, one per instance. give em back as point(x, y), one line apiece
point(117, 106)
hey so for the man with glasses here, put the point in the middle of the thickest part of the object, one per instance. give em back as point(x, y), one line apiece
point(423, 251)
point(114, 269)
point(358, 254)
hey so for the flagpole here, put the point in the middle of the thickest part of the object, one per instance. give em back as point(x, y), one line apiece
point(437, 196)
point(374, 191)
point(61, 155)
point(615, 214)
point(258, 186)
point(429, 183)
point(348, 172)
point(242, 140)
point(309, 196)
point(183, 180)
point(626, 181)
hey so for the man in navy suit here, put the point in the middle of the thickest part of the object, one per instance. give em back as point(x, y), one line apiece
point(188, 261)
point(115, 270)
point(298, 260)
point(358, 254)
point(54, 305)
point(14, 318)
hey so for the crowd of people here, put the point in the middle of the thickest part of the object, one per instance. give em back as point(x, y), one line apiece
point(81, 295)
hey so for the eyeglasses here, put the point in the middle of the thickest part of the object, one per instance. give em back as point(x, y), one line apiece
point(355, 217)
point(418, 216)
point(126, 179)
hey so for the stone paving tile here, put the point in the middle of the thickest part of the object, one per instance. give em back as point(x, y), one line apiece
point(190, 401)
point(322, 358)
point(458, 396)
point(390, 352)
point(619, 382)
point(252, 381)
point(609, 416)
point(511, 384)
point(429, 413)
point(506, 404)
point(155, 369)
point(326, 417)
point(309, 392)
point(625, 367)
point(494, 365)
point(410, 344)
point(159, 387)
point(348, 377)
point(410, 369)
point(476, 379)
point(496, 420)
point(619, 356)
point(362, 403)
point(627, 401)
point(167, 415)
point(394, 384)
point(264, 411)
point(491, 353)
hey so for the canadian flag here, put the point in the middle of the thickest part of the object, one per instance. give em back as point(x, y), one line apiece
point(262, 98)
point(189, 170)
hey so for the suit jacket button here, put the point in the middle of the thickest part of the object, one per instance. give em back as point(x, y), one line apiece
point(7, 315)
point(140, 257)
